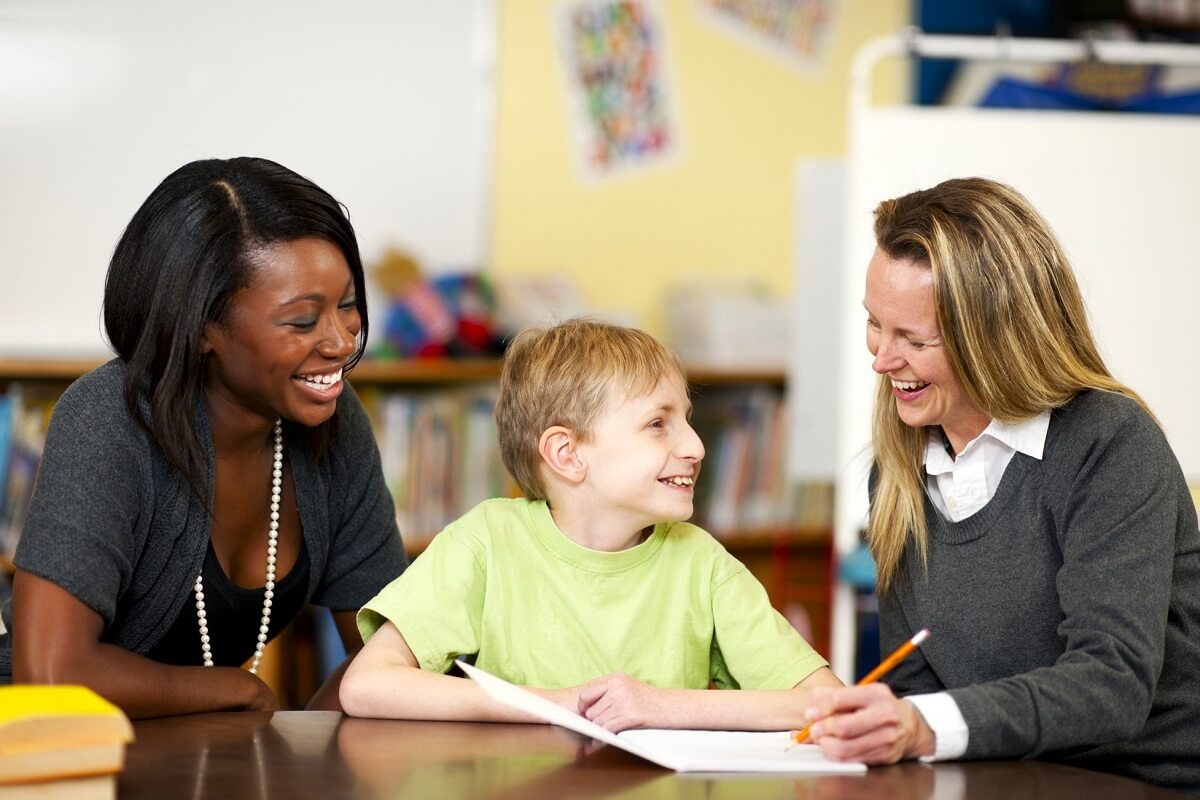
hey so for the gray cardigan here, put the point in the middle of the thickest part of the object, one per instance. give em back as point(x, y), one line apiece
point(1066, 613)
point(113, 523)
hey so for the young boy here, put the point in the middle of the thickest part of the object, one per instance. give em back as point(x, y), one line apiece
point(590, 590)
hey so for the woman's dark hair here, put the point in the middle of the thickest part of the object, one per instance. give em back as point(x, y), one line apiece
point(185, 253)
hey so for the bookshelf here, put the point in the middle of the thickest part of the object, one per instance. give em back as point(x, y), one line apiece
point(786, 544)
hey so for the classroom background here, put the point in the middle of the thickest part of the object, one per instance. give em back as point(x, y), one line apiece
point(704, 169)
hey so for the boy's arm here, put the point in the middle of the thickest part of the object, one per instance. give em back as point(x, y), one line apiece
point(326, 697)
point(385, 680)
point(618, 702)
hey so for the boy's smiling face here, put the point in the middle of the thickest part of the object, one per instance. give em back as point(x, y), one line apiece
point(642, 459)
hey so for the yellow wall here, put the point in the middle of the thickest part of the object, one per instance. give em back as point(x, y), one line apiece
point(726, 206)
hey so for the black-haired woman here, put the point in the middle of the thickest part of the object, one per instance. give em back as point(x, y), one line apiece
point(218, 475)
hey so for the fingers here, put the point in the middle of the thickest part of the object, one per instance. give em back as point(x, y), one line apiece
point(612, 717)
point(878, 746)
point(849, 720)
point(602, 710)
point(825, 701)
point(593, 690)
point(590, 693)
point(614, 702)
point(859, 723)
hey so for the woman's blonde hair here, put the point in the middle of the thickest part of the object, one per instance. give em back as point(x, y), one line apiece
point(1012, 322)
point(563, 375)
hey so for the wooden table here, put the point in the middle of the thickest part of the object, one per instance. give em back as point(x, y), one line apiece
point(294, 755)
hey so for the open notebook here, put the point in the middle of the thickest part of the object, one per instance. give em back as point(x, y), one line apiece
point(683, 751)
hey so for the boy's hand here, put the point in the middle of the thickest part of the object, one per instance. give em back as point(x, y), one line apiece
point(618, 702)
point(568, 698)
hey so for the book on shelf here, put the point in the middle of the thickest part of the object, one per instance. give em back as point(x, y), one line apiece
point(744, 485)
point(49, 733)
point(680, 750)
point(439, 454)
point(7, 401)
point(24, 417)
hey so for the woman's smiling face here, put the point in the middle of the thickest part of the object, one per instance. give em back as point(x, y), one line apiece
point(286, 337)
point(903, 335)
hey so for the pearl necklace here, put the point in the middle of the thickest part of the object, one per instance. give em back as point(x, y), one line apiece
point(272, 540)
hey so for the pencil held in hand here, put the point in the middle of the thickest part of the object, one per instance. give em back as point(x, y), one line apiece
point(884, 668)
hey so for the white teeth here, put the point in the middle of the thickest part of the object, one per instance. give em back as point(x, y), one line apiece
point(909, 386)
point(322, 380)
point(679, 480)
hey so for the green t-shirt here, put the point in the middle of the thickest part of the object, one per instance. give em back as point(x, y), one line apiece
point(504, 584)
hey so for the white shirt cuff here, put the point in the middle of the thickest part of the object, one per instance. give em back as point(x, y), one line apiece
point(943, 717)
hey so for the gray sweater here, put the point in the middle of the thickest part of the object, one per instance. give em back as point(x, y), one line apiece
point(1066, 613)
point(113, 523)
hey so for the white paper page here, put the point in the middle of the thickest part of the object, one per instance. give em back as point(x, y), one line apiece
point(521, 699)
point(736, 751)
point(685, 751)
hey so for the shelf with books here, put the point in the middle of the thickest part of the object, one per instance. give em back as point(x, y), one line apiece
point(438, 450)
point(434, 428)
point(55, 370)
point(378, 371)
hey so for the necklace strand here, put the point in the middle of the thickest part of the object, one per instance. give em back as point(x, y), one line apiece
point(269, 593)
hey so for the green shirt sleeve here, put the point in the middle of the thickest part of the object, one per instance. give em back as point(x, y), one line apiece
point(437, 604)
point(758, 648)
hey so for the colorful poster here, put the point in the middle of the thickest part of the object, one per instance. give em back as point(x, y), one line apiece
point(616, 75)
point(795, 30)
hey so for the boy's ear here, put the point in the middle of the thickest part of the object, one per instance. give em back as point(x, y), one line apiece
point(559, 451)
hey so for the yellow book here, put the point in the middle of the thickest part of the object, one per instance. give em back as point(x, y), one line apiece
point(51, 732)
point(94, 787)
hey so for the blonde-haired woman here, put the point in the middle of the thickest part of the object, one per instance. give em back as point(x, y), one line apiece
point(1025, 506)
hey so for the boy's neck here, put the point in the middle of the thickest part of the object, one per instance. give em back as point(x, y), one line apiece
point(587, 530)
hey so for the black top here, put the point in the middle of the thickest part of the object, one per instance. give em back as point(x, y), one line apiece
point(233, 615)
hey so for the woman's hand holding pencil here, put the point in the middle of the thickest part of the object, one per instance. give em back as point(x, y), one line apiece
point(866, 722)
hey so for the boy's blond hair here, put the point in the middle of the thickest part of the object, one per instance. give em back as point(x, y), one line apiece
point(562, 375)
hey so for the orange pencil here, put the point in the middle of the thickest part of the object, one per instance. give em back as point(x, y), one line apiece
point(884, 667)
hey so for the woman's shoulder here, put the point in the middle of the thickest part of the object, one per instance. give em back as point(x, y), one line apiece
point(105, 383)
point(92, 435)
point(1100, 418)
point(1105, 402)
point(1102, 411)
point(96, 400)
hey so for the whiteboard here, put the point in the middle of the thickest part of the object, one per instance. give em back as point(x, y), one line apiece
point(385, 103)
point(1121, 191)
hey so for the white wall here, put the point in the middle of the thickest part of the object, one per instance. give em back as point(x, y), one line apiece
point(385, 103)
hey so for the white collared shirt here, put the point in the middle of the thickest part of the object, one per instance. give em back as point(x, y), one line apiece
point(959, 487)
